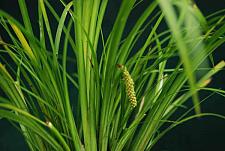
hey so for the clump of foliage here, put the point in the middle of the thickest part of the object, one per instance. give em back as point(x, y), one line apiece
point(125, 92)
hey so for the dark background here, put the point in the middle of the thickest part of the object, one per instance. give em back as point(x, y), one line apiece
point(203, 134)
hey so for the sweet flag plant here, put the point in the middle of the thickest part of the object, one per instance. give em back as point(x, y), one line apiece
point(76, 87)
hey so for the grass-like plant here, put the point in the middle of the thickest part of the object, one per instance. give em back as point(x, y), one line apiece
point(78, 88)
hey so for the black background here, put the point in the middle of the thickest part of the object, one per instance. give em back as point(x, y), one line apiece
point(203, 134)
